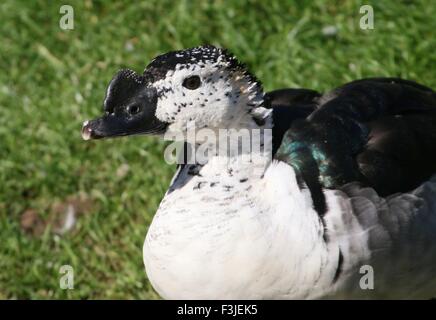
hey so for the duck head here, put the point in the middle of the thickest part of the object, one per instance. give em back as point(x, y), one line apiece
point(203, 86)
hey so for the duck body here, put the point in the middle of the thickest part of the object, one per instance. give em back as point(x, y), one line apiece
point(217, 237)
point(342, 204)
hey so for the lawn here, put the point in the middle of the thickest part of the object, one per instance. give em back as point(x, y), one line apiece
point(51, 80)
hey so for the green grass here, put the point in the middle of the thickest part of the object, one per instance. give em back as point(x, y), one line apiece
point(51, 80)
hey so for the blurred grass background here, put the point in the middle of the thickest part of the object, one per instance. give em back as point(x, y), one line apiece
point(51, 80)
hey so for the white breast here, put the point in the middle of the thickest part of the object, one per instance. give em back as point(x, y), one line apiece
point(258, 239)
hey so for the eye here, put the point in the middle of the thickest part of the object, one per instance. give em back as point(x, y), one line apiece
point(192, 82)
point(133, 109)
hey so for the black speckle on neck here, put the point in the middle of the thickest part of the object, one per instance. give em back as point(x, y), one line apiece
point(199, 185)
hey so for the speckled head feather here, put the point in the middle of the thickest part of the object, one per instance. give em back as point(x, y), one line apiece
point(205, 85)
point(201, 55)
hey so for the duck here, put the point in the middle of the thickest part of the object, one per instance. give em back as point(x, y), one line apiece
point(338, 202)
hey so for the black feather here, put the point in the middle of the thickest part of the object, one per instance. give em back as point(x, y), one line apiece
point(380, 132)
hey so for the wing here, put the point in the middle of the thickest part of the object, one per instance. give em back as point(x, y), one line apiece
point(379, 131)
point(289, 105)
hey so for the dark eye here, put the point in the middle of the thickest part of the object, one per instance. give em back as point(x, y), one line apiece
point(192, 83)
point(133, 109)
